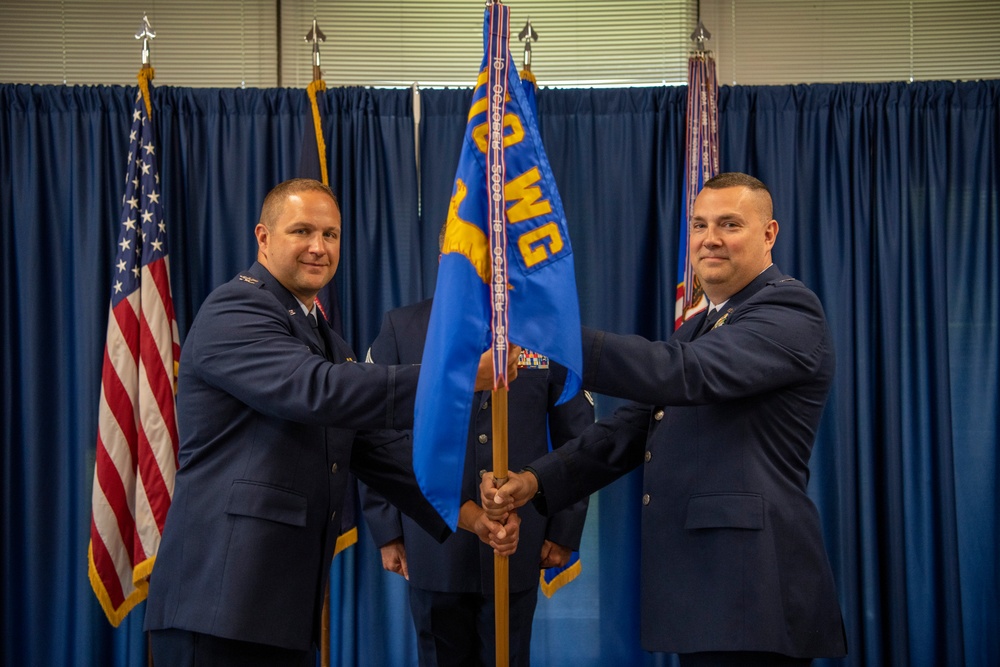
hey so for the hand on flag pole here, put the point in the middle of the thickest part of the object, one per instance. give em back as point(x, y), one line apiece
point(501, 500)
point(484, 374)
point(501, 535)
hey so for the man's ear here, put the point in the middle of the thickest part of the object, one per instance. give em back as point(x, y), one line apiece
point(771, 232)
point(262, 234)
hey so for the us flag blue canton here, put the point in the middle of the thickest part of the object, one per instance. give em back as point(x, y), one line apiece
point(516, 274)
point(143, 235)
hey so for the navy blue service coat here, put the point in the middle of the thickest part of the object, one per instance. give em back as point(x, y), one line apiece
point(732, 554)
point(268, 430)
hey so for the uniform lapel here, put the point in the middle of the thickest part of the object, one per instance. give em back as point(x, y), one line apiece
point(301, 327)
point(694, 327)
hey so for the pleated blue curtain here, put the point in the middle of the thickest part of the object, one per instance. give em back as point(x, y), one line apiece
point(62, 162)
point(372, 165)
point(887, 196)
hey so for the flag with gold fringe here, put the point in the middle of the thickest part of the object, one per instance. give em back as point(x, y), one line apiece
point(312, 164)
point(137, 426)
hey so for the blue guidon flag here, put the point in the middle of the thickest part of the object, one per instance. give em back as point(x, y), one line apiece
point(506, 271)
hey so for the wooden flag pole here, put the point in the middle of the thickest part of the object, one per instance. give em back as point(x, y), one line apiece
point(324, 635)
point(497, 58)
point(501, 564)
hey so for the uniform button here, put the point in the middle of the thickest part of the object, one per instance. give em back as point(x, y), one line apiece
point(645, 499)
point(485, 405)
point(649, 455)
point(482, 472)
point(333, 515)
point(658, 415)
point(333, 468)
point(483, 438)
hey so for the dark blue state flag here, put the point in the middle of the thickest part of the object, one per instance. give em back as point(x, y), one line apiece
point(538, 299)
point(312, 164)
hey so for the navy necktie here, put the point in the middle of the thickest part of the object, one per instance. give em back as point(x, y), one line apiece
point(710, 319)
point(314, 323)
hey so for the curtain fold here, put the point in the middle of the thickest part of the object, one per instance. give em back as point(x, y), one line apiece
point(888, 200)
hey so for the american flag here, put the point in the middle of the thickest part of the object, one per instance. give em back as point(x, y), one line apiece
point(137, 423)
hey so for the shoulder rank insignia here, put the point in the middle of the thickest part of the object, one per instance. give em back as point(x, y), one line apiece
point(722, 320)
point(249, 279)
point(529, 359)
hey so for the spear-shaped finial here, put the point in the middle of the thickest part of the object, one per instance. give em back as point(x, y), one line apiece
point(527, 35)
point(315, 35)
point(145, 33)
point(700, 36)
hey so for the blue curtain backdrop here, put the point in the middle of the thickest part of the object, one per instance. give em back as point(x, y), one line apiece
point(888, 197)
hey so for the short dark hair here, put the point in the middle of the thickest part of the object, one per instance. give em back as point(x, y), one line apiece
point(737, 179)
point(274, 202)
point(732, 179)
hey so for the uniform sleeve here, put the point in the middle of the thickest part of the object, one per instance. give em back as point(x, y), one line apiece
point(383, 461)
point(248, 349)
point(776, 339)
point(605, 451)
point(383, 518)
point(566, 422)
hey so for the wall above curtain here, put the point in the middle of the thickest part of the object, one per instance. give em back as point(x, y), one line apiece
point(260, 43)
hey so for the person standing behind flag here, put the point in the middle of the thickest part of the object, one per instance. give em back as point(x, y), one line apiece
point(733, 568)
point(451, 583)
point(270, 415)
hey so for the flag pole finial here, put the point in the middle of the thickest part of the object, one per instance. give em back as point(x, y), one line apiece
point(527, 35)
point(700, 36)
point(315, 36)
point(145, 33)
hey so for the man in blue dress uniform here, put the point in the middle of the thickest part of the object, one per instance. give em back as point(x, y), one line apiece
point(733, 567)
point(272, 413)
